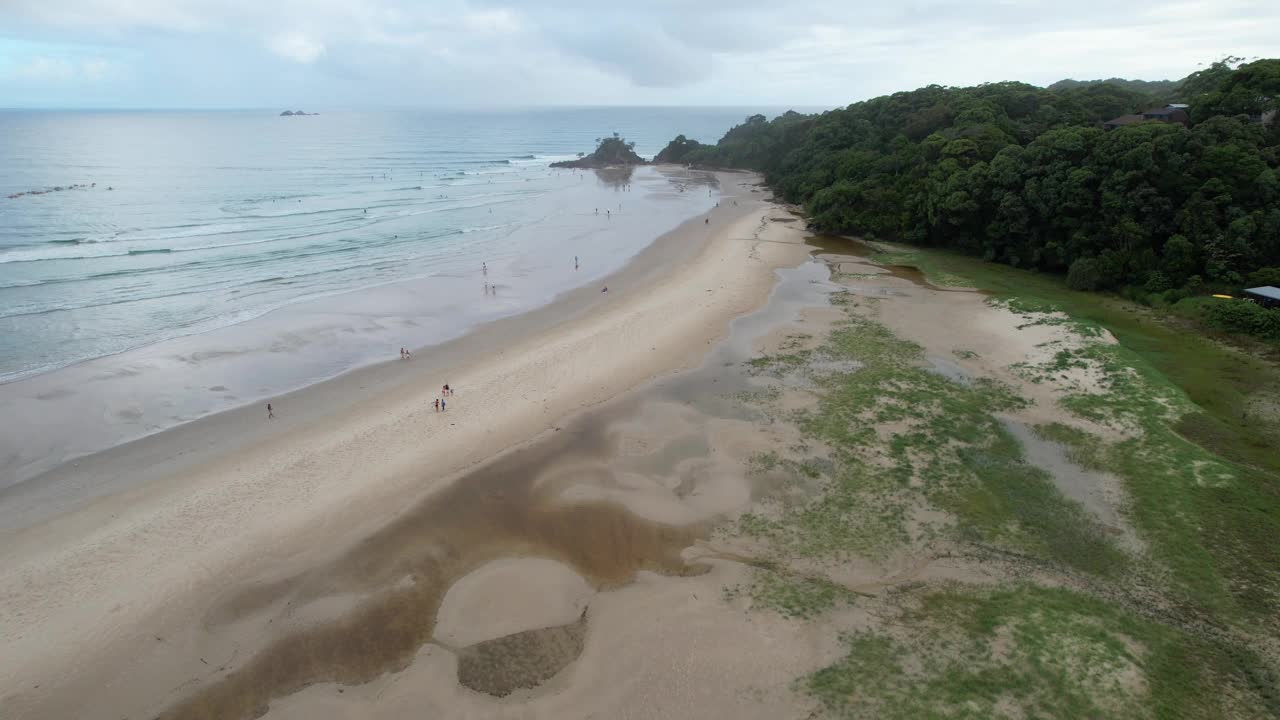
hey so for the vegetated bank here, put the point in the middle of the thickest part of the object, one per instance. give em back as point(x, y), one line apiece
point(611, 151)
point(898, 464)
point(910, 520)
point(1030, 177)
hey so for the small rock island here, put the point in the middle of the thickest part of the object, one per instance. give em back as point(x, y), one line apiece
point(292, 113)
point(610, 152)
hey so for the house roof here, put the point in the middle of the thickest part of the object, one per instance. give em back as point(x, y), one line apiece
point(1270, 292)
point(1161, 111)
point(1125, 120)
point(1178, 106)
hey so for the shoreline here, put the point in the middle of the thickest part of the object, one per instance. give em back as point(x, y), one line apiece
point(185, 519)
point(96, 404)
point(183, 445)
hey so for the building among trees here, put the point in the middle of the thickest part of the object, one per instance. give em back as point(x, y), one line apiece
point(1268, 296)
point(1172, 113)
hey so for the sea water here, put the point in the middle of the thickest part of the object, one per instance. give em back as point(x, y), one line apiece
point(157, 266)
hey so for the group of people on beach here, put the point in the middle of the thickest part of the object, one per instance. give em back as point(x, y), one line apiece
point(440, 403)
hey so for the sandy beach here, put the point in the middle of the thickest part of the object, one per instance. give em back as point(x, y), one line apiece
point(570, 538)
point(170, 573)
point(529, 249)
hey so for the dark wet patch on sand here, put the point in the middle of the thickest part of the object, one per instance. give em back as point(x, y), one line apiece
point(511, 507)
point(831, 248)
point(508, 508)
point(522, 660)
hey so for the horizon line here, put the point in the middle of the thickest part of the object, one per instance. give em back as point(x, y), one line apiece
point(366, 108)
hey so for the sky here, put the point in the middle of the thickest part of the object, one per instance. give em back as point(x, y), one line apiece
point(329, 54)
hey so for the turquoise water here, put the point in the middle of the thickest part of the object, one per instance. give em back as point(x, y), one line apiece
point(197, 261)
point(182, 222)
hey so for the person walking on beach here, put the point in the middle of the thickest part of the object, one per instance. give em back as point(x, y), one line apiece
point(484, 268)
point(575, 262)
point(447, 391)
point(442, 406)
point(436, 403)
point(270, 413)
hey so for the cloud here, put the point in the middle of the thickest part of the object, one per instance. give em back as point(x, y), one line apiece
point(46, 69)
point(296, 46)
point(49, 70)
point(95, 69)
point(812, 52)
point(647, 57)
point(495, 21)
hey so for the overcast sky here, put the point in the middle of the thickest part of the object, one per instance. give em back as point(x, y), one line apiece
point(320, 54)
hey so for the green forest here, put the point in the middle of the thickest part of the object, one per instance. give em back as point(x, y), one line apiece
point(1029, 177)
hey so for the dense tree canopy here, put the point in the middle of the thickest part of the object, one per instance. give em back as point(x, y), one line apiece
point(610, 151)
point(1157, 89)
point(677, 150)
point(1027, 176)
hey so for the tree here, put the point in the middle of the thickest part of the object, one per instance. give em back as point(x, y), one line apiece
point(1085, 274)
point(1027, 176)
point(1207, 80)
point(1264, 276)
point(677, 150)
point(1179, 261)
point(1252, 89)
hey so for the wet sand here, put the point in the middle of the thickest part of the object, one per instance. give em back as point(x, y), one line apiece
point(106, 401)
point(668, 636)
point(546, 549)
point(190, 444)
point(197, 582)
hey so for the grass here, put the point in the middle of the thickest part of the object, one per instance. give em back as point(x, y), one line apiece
point(1204, 479)
point(794, 596)
point(947, 449)
point(1021, 651)
point(1217, 380)
point(1165, 635)
point(1210, 520)
point(939, 278)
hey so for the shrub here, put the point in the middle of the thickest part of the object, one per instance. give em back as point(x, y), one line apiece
point(1084, 274)
point(1157, 282)
point(1244, 317)
point(1264, 276)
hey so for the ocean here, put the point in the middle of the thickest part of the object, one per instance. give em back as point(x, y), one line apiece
point(157, 266)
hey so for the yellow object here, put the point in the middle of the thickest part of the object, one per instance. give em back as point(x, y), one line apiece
point(1224, 297)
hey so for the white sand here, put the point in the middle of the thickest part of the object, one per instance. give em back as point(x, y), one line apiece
point(105, 607)
point(508, 596)
point(658, 648)
point(97, 604)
